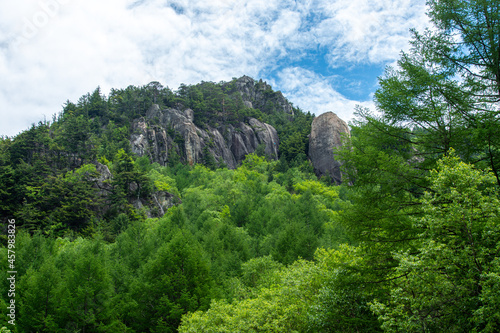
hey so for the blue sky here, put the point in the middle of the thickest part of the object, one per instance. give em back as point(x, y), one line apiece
point(324, 55)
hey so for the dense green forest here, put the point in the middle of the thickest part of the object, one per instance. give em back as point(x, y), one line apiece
point(410, 242)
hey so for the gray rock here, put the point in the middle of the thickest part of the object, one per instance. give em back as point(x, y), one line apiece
point(220, 149)
point(243, 142)
point(176, 131)
point(327, 131)
point(153, 112)
point(103, 182)
point(157, 205)
point(266, 134)
point(189, 114)
point(192, 136)
point(151, 141)
point(154, 205)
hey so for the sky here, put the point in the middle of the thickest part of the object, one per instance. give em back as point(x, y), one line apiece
point(323, 55)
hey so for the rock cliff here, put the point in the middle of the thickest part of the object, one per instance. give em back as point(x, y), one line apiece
point(163, 134)
point(327, 131)
point(211, 137)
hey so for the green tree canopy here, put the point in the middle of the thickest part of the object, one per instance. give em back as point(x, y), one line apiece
point(442, 288)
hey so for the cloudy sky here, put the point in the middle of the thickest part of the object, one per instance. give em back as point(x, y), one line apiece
point(324, 55)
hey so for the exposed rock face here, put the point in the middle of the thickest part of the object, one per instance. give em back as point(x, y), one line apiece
point(267, 135)
point(326, 133)
point(151, 141)
point(162, 132)
point(157, 204)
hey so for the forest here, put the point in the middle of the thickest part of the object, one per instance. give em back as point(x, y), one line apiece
point(409, 242)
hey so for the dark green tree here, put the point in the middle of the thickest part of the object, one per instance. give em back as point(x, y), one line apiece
point(66, 202)
point(74, 138)
point(8, 196)
point(96, 104)
point(129, 182)
point(447, 88)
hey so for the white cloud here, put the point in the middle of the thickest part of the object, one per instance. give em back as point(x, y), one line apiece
point(314, 93)
point(368, 30)
point(53, 50)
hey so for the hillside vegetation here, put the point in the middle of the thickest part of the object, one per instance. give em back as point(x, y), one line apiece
point(410, 242)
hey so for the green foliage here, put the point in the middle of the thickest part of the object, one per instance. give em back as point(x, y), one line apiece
point(174, 281)
point(88, 258)
point(214, 103)
point(97, 128)
point(62, 285)
point(429, 238)
point(447, 87)
point(83, 303)
point(319, 296)
point(411, 244)
point(341, 303)
point(442, 95)
point(64, 202)
point(294, 146)
point(457, 249)
point(238, 251)
point(162, 182)
point(209, 159)
point(278, 308)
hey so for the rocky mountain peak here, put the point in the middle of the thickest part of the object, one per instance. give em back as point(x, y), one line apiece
point(260, 95)
point(223, 132)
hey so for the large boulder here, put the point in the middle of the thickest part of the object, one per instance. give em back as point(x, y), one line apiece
point(327, 132)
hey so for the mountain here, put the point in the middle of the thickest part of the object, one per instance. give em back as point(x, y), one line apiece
point(155, 202)
point(216, 142)
point(410, 244)
point(216, 126)
point(99, 154)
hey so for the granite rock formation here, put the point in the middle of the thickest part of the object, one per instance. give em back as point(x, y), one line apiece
point(327, 132)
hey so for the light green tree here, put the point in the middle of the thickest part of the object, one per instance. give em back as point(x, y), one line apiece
point(278, 307)
point(455, 262)
point(40, 298)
